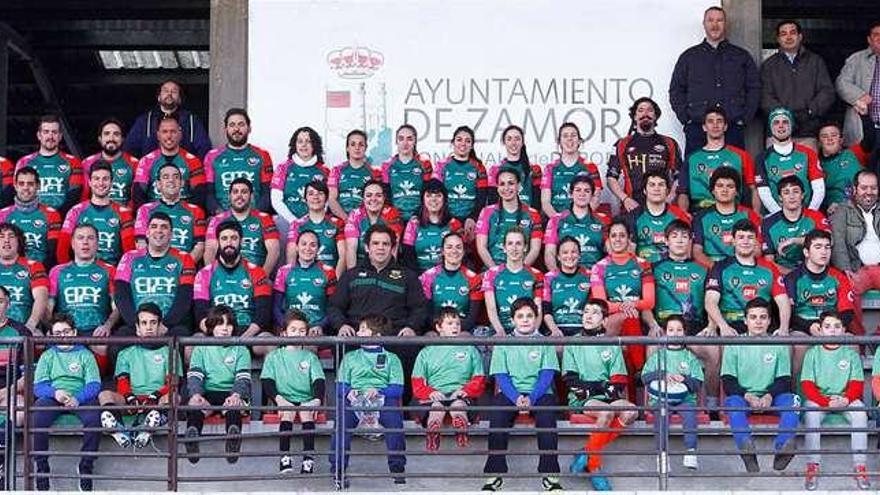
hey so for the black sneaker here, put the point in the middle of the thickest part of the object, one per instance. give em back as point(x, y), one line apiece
point(85, 484)
point(784, 455)
point(341, 484)
point(551, 484)
point(192, 447)
point(286, 464)
point(493, 484)
point(749, 458)
point(233, 445)
point(399, 480)
point(307, 466)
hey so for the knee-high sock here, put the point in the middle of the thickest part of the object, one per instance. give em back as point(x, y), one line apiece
point(598, 441)
point(284, 440)
point(308, 437)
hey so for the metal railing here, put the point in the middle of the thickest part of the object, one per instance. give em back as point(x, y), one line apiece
point(23, 351)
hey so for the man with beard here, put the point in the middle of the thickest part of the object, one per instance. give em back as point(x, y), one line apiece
point(40, 224)
point(641, 150)
point(24, 279)
point(114, 223)
point(233, 281)
point(60, 173)
point(260, 242)
point(237, 159)
point(784, 158)
point(187, 220)
point(170, 151)
point(110, 138)
point(158, 274)
point(144, 132)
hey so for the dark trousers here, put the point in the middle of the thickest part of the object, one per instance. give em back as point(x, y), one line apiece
point(547, 440)
point(44, 419)
point(395, 441)
point(695, 137)
point(197, 418)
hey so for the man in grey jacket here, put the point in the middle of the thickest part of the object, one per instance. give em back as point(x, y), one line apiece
point(856, 247)
point(797, 79)
point(859, 85)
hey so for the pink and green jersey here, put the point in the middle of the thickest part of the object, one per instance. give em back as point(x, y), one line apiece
point(405, 181)
point(557, 178)
point(223, 165)
point(495, 221)
point(255, 229)
point(291, 179)
point(187, 223)
point(20, 278)
point(41, 226)
point(507, 286)
point(59, 174)
point(349, 182)
point(330, 230)
point(456, 289)
point(122, 177)
point(84, 291)
point(588, 230)
point(306, 288)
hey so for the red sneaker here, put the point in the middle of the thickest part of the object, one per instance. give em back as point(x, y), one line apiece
point(461, 436)
point(432, 437)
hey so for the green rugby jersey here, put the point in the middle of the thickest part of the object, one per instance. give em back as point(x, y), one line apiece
point(702, 163)
point(650, 230)
point(349, 182)
point(523, 363)
point(593, 363)
point(40, 226)
point(219, 366)
point(293, 370)
point(679, 290)
point(713, 230)
point(755, 367)
point(566, 294)
point(777, 228)
point(802, 162)
point(146, 368)
point(509, 286)
point(224, 165)
point(677, 362)
point(447, 368)
point(738, 284)
point(84, 291)
point(405, 181)
point(840, 170)
point(68, 370)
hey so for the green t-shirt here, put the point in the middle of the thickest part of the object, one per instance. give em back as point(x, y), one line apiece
point(592, 363)
point(350, 183)
point(713, 231)
point(447, 368)
point(293, 370)
point(755, 367)
point(68, 370)
point(146, 368)
point(832, 369)
point(219, 366)
point(678, 362)
point(363, 369)
point(568, 294)
point(523, 363)
point(840, 170)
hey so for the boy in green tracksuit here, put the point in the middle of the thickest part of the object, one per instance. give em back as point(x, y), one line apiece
point(447, 376)
point(143, 380)
point(678, 365)
point(524, 376)
point(374, 376)
point(597, 378)
point(292, 376)
point(218, 376)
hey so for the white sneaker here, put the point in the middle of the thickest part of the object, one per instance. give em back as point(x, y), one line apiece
point(153, 420)
point(690, 460)
point(109, 421)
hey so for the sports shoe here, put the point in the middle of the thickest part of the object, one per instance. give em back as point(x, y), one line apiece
point(109, 421)
point(399, 480)
point(551, 484)
point(493, 484)
point(192, 447)
point(461, 435)
point(578, 464)
point(286, 464)
point(600, 483)
point(432, 437)
point(784, 455)
point(233, 444)
point(690, 460)
point(861, 477)
point(152, 420)
point(85, 484)
point(341, 484)
point(749, 458)
point(811, 478)
point(307, 466)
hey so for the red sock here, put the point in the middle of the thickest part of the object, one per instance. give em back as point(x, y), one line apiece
point(598, 441)
point(103, 362)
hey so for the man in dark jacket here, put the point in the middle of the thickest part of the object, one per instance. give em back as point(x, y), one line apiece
point(142, 138)
point(714, 73)
point(797, 79)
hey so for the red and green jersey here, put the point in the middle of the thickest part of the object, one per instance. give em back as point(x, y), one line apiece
point(291, 179)
point(738, 284)
point(427, 240)
point(679, 290)
point(567, 294)
point(713, 230)
point(188, 223)
point(146, 368)
point(122, 177)
point(812, 294)
point(349, 181)
point(405, 180)
point(777, 228)
point(840, 170)
point(507, 286)
point(802, 162)
point(224, 165)
point(447, 368)
point(155, 279)
point(21, 278)
point(650, 230)
point(306, 288)
point(59, 174)
point(67, 369)
point(701, 164)
point(832, 370)
point(359, 222)
point(114, 223)
point(293, 370)
point(40, 226)
point(84, 291)
point(588, 230)
point(463, 179)
point(677, 362)
point(495, 221)
point(458, 289)
point(330, 231)
point(523, 363)
point(370, 368)
point(256, 228)
point(557, 178)
point(236, 288)
point(527, 184)
point(220, 366)
point(756, 367)
point(191, 172)
point(594, 363)
point(621, 282)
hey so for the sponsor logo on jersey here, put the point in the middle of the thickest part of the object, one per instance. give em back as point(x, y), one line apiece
point(463, 291)
point(246, 284)
point(534, 355)
point(63, 168)
point(583, 286)
point(52, 185)
point(185, 219)
point(113, 221)
point(155, 285)
point(82, 295)
point(749, 292)
point(38, 223)
point(171, 266)
point(21, 274)
point(231, 300)
point(304, 366)
point(229, 360)
point(605, 355)
point(74, 367)
point(460, 356)
point(769, 358)
point(96, 277)
point(318, 282)
point(843, 365)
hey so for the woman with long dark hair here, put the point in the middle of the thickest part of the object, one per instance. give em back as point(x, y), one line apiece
point(517, 157)
point(305, 163)
point(464, 176)
point(406, 173)
point(423, 235)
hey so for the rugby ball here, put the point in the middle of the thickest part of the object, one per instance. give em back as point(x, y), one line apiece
point(675, 392)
